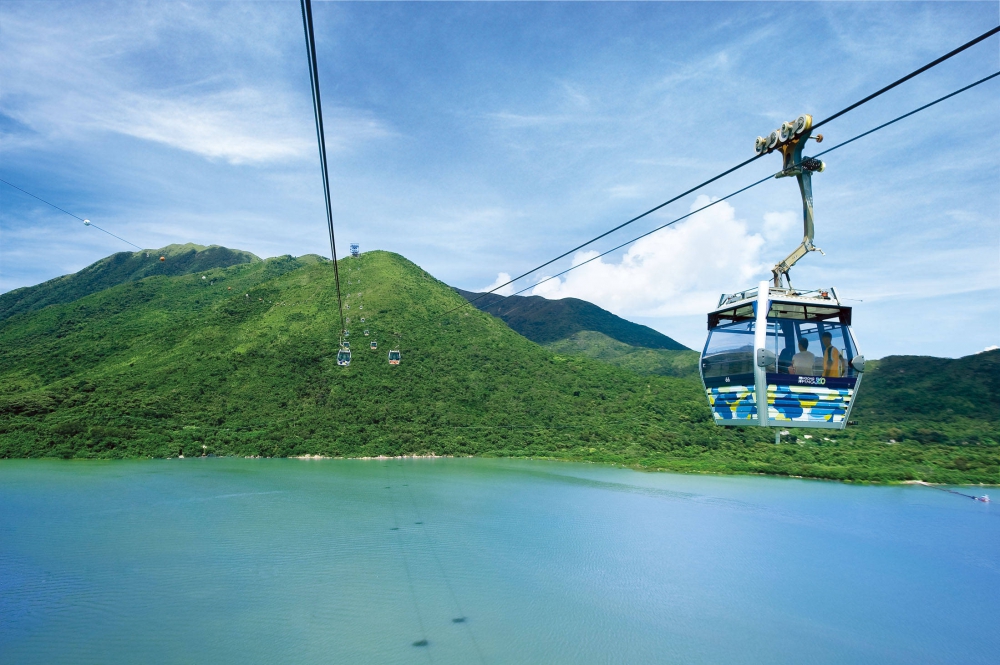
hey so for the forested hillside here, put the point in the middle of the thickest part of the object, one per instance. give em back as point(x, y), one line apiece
point(933, 400)
point(242, 362)
point(664, 362)
point(545, 321)
point(117, 269)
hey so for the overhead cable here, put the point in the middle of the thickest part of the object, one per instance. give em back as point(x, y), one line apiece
point(307, 24)
point(761, 181)
point(87, 222)
point(916, 72)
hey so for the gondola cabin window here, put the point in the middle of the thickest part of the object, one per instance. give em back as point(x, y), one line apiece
point(811, 348)
point(729, 350)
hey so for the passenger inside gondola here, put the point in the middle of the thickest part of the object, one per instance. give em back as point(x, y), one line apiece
point(803, 361)
point(832, 359)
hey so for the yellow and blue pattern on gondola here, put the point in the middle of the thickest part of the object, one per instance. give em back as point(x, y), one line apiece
point(809, 403)
point(732, 402)
point(814, 402)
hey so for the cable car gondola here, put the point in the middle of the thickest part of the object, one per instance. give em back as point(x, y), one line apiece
point(366, 333)
point(777, 356)
point(394, 357)
point(374, 345)
point(344, 357)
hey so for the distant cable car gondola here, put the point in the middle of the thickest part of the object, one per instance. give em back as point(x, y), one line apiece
point(344, 357)
point(346, 344)
point(163, 258)
point(366, 333)
point(394, 357)
point(778, 356)
point(374, 345)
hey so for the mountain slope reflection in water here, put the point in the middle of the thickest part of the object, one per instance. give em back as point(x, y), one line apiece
point(473, 560)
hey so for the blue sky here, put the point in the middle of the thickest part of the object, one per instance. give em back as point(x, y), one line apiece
point(483, 138)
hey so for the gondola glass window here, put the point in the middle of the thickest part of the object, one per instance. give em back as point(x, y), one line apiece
point(729, 350)
point(806, 348)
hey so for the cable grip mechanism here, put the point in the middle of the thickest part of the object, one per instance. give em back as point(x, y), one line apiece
point(790, 139)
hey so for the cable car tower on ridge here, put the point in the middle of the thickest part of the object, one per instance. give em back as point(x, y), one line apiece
point(777, 356)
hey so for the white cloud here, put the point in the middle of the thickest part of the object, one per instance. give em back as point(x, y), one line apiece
point(632, 191)
point(239, 126)
point(778, 225)
point(502, 278)
point(116, 79)
point(680, 270)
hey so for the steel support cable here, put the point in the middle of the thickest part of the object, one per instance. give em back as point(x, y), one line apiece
point(86, 221)
point(759, 182)
point(307, 24)
point(620, 226)
point(916, 72)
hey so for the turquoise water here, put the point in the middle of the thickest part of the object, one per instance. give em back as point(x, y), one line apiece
point(351, 561)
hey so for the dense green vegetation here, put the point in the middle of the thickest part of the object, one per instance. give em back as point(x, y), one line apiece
point(119, 268)
point(243, 363)
point(914, 399)
point(927, 400)
point(665, 362)
point(545, 321)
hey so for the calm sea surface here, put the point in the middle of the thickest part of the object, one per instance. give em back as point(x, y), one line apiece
point(488, 561)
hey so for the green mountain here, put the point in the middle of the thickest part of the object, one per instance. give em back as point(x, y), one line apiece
point(665, 362)
point(931, 400)
point(119, 268)
point(243, 362)
point(545, 321)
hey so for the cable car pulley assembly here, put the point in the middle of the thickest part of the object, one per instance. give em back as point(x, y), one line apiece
point(790, 139)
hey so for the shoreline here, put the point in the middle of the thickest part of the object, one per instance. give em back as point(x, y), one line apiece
point(634, 467)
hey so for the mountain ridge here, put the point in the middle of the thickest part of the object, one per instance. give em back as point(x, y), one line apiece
point(545, 321)
point(242, 363)
point(117, 268)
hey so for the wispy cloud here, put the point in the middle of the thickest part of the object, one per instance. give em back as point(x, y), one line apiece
point(69, 79)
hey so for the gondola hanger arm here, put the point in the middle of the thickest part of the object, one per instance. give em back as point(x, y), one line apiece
point(790, 139)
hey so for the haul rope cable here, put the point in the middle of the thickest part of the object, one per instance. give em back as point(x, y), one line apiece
point(754, 184)
point(934, 63)
point(85, 221)
point(307, 24)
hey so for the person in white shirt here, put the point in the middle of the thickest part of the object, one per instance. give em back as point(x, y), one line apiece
point(803, 362)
